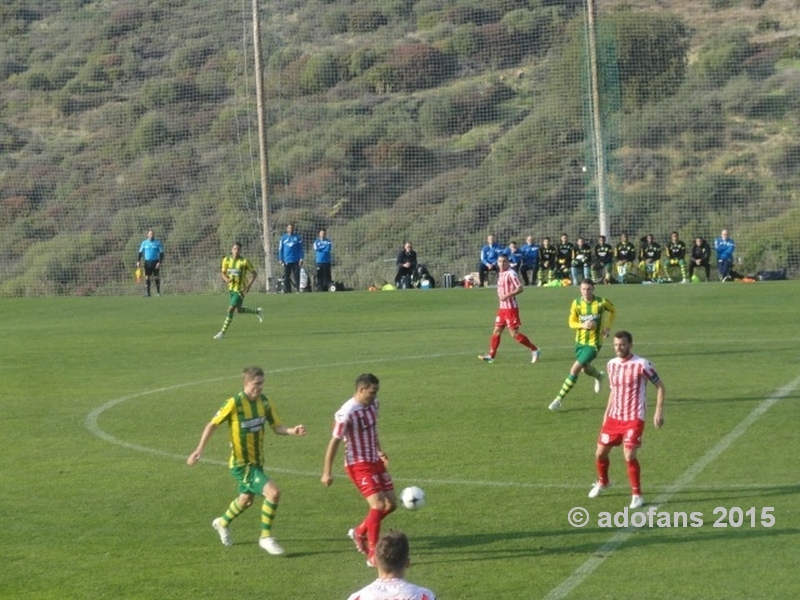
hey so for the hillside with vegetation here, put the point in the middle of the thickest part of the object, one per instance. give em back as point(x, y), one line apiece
point(434, 120)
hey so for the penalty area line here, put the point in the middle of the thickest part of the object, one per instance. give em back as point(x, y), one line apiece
point(601, 554)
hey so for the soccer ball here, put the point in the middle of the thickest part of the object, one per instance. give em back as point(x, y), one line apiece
point(412, 498)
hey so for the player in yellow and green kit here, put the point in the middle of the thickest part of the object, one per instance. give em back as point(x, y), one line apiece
point(591, 317)
point(239, 274)
point(248, 413)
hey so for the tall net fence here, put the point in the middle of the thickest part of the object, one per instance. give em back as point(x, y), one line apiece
point(434, 121)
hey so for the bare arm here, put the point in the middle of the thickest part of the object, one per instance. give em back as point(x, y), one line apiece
point(658, 417)
point(330, 454)
point(253, 276)
point(204, 437)
point(296, 430)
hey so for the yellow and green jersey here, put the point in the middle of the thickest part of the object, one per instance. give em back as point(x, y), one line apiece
point(237, 270)
point(599, 310)
point(248, 420)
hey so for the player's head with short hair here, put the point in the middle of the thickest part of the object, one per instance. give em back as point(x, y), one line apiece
point(587, 290)
point(601, 239)
point(367, 386)
point(250, 373)
point(252, 381)
point(624, 335)
point(366, 380)
point(623, 342)
point(392, 553)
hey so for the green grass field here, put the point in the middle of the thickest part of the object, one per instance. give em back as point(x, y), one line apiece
point(104, 398)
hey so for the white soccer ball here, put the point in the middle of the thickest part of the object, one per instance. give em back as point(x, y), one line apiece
point(413, 498)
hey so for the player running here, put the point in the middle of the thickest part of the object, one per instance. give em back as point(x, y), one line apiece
point(356, 422)
point(248, 414)
point(238, 274)
point(591, 317)
point(508, 288)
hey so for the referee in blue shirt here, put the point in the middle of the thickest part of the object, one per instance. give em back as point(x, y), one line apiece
point(152, 253)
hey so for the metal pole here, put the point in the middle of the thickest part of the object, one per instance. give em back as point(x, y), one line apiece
point(262, 147)
point(599, 153)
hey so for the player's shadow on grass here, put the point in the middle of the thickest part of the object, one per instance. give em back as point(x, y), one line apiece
point(735, 495)
point(586, 541)
point(490, 546)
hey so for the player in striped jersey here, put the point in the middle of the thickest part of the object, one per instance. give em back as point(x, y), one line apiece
point(356, 422)
point(238, 274)
point(623, 422)
point(591, 317)
point(508, 288)
point(392, 560)
point(248, 413)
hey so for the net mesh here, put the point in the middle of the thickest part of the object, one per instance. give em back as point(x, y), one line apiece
point(433, 121)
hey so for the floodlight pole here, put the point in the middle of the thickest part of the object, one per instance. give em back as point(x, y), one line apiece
point(599, 149)
point(262, 147)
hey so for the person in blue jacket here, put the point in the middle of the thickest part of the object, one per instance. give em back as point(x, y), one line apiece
point(323, 248)
point(724, 247)
point(290, 255)
point(488, 261)
point(530, 261)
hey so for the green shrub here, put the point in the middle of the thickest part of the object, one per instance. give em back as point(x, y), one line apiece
point(724, 57)
point(366, 19)
point(320, 73)
point(150, 133)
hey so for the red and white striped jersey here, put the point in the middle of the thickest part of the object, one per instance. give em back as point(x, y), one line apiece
point(508, 282)
point(357, 425)
point(627, 378)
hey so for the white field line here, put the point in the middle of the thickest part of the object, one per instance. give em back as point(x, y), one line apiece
point(603, 552)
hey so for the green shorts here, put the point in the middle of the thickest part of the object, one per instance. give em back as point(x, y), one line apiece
point(237, 298)
point(585, 354)
point(250, 479)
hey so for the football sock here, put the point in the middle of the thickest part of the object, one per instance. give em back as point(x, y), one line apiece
point(147, 285)
point(523, 339)
point(634, 477)
point(373, 524)
point(602, 470)
point(494, 343)
point(226, 323)
point(267, 516)
point(158, 285)
point(591, 371)
point(234, 510)
point(683, 269)
point(247, 311)
point(568, 384)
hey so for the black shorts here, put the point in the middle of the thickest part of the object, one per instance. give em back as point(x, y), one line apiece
point(150, 268)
